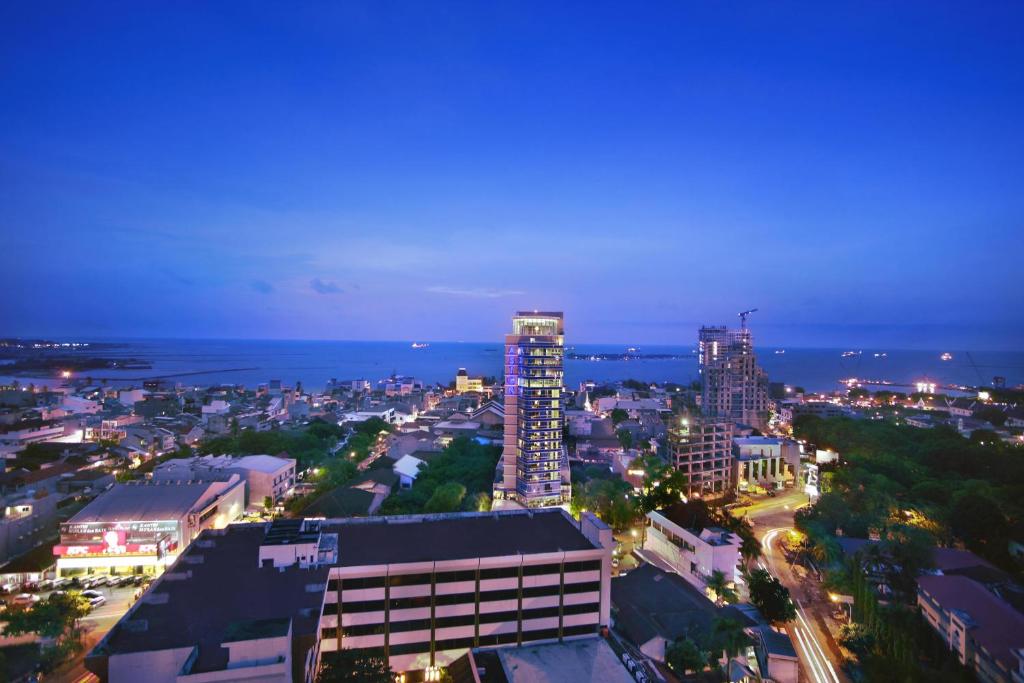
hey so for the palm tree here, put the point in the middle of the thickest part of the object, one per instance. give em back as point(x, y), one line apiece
point(719, 585)
point(729, 635)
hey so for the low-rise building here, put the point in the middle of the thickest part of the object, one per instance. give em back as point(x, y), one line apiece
point(141, 527)
point(764, 461)
point(695, 553)
point(985, 633)
point(264, 475)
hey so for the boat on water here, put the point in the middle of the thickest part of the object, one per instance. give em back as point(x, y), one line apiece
point(946, 356)
point(882, 354)
point(779, 352)
point(847, 354)
point(420, 345)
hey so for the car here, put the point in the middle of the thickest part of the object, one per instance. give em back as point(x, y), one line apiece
point(95, 598)
point(8, 588)
point(25, 599)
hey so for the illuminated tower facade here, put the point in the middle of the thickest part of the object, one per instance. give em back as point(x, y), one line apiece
point(534, 465)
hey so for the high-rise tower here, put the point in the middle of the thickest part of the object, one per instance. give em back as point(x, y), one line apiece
point(733, 385)
point(534, 467)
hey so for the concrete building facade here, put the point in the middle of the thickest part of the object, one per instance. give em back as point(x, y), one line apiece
point(733, 385)
point(701, 448)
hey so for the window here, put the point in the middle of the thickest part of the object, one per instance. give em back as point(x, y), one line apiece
point(540, 591)
point(545, 634)
point(492, 617)
point(446, 577)
point(411, 625)
point(330, 608)
point(445, 622)
point(455, 599)
point(510, 594)
point(579, 630)
point(363, 582)
point(326, 633)
point(333, 584)
point(586, 566)
point(582, 587)
point(453, 644)
point(581, 609)
point(409, 648)
point(499, 573)
point(408, 579)
point(365, 606)
point(373, 629)
point(410, 603)
point(539, 569)
point(540, 613)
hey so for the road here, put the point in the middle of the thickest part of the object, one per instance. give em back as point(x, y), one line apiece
point(96, 625)
point(820, 658)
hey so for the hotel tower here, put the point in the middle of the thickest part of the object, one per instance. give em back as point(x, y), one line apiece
point(534, 467)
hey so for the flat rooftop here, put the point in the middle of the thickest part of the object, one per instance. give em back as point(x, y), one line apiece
point(458, 536)
point(143, 501)
point(216, 593)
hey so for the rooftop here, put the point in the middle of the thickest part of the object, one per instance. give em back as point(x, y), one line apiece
point(426, 538)
point(999, 628)
point(143, 501)
point(585, 660)
point(189, 606)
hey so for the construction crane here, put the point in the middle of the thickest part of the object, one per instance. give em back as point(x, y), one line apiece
point(743, 318)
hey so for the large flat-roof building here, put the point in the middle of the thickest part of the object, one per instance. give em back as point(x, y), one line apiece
point(419, 590)
point(141, 527)
point(534, 465)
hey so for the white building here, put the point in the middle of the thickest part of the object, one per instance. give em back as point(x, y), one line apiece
point(764, 461)
point(264, 475)
point(693, 553)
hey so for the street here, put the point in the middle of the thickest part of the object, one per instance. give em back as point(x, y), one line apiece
point(96, 625)
point(820, 658)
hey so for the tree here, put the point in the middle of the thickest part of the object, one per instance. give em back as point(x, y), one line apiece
point(719, 585)
point(352, 666)
point(771, 597)
point(446, 498)
point(728, 635)
point(683, 655)
point(976, 519)
point(56, 617)
point(618, 415)
point(663, 485)
point(625, 439)
point(268, 503)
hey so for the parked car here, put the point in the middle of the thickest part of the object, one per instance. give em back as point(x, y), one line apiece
point(95, 598)
point(25, 599)
point(8, 588)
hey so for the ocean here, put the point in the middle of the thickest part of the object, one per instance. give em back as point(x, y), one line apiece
point(314, 363)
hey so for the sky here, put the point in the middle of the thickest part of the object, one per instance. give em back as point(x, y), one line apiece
point(387, 170)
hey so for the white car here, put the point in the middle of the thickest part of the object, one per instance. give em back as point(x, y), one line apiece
point(25, 599)
point(95, 598)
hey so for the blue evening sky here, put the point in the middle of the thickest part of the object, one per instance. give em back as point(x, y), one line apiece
point(420, 170)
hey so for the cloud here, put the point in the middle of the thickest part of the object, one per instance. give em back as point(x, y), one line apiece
point(321, 287)
point(474, 292)
point(262, 286)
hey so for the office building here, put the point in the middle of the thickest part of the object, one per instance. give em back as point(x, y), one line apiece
point(419, 590)
point(465, 384)
point(141, 527)
point(534, 467)
point(701, 448)
point(733, 385)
